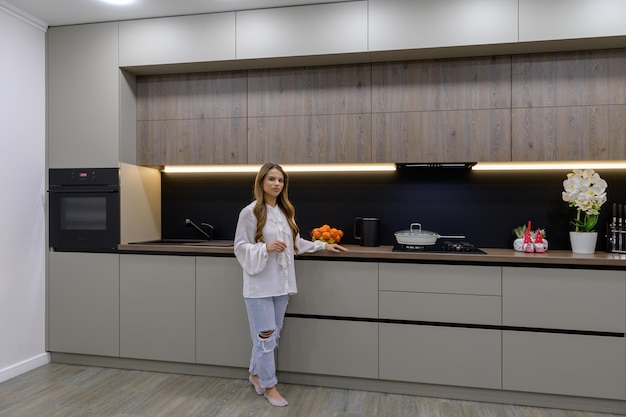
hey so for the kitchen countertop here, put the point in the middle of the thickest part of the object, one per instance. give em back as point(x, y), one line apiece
point(496, 256)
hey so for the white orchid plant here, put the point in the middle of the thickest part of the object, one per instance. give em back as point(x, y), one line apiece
point(586, 191)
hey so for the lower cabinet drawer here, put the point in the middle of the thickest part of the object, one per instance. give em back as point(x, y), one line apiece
point(441, 355)
point(329, 347)
point(566, 364)
point(448, 308)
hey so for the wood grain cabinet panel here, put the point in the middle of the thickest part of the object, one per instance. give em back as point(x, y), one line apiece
point(344, 89)
point(569, 106)
point(569, 133)
point(451, 84)
point(442, 111)
point(310, 139)
point(579, 78)
point(196, 141)
point(192, 119)
point(192, 96)
point(443, 136)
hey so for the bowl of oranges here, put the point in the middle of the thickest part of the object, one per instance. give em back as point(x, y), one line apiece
point(327, 234)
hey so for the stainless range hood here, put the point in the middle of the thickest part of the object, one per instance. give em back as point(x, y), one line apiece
point(418, 165)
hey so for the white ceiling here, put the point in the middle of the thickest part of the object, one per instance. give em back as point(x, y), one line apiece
point(70, 12)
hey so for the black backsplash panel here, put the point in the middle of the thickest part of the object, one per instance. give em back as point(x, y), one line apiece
point(484, 206)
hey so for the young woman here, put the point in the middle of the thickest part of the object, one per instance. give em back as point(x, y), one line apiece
point(266, 240)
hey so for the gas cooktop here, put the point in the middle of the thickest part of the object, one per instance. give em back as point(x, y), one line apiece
point(444, 246)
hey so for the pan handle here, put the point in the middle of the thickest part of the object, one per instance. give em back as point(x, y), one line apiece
point(452, 237)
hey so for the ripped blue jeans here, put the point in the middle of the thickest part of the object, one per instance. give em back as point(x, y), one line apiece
point(265, 316)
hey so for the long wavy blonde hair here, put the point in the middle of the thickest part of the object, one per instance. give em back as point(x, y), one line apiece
point(260, 209)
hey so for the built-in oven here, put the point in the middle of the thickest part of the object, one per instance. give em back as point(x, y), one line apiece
point(84, 209)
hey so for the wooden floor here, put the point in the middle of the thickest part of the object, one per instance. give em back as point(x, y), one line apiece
point(57, 390)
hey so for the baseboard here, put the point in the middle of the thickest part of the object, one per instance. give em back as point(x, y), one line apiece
point(24, 366)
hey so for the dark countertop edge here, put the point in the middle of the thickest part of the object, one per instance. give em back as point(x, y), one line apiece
point(493, 256)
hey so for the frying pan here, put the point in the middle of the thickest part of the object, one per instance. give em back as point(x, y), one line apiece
point(416, 236)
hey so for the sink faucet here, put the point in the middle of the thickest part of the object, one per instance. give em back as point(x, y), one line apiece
point(210, 227)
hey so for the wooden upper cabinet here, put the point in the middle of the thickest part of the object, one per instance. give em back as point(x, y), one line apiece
point(401, 24)
point(192, 119)
point(442, 111)
point(334, 28)
point(176, 40)
point(310, 115)
point(569, 106)
point(541, 20)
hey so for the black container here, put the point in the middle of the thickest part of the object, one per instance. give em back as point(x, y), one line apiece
point(368, 231)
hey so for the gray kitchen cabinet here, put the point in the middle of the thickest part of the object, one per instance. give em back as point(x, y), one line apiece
point(400, 24)
point(579, 319)
point(563, 19)
point(83, 303)
point(565, 364)
point(439, 324)
point(222, 330)
point(322, 29)
point(568, 299)
point(157, 307)
point(348, 289)
point(324, 339)
point(329, 347)
point(177, 40)
point(83, 96)
point(440, 355)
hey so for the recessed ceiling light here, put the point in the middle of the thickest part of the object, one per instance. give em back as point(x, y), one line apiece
point(118, 2)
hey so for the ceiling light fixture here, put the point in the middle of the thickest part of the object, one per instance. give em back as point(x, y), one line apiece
point(119, 2)
point(548, 166)
point(286, 167)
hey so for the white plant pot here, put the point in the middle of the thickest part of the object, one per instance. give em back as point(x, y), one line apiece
point(583, 242)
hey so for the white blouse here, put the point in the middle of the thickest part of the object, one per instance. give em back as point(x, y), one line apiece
point(268, 274)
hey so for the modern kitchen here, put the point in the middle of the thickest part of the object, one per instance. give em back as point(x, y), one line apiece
point(458, 149)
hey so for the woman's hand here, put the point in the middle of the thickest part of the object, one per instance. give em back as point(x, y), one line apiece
point(276, 246)
point(333, 247)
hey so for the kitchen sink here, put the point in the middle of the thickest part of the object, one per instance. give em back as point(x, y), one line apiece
point(185, 242)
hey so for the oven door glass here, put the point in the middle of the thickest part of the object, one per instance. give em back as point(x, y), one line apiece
point(84, 220)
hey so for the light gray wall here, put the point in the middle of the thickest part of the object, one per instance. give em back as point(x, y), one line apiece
point(22, 201)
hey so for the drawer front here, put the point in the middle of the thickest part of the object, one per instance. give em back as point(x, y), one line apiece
point(572, 299)
point(448, 308)
point(348, 289)
point(449, 279)
point(329, 347)
point(441, 355)
point(566, 364)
